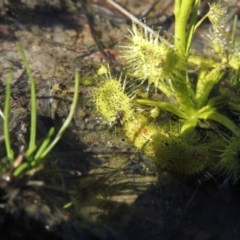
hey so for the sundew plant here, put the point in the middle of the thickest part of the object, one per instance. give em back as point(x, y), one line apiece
point(201, 131)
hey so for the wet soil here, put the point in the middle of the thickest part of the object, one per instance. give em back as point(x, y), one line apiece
point(116, 192)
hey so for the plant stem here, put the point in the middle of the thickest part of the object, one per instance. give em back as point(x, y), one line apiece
point(182, 9)
point(9, 150)
point(182, 87)
point(33, 128)
point(192, 26)
point(42, 148)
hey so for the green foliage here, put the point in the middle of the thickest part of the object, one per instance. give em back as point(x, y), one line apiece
point(10, 154)
point(35, 155)
point(166, 65)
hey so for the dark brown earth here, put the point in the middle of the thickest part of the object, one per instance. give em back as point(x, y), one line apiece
point(115, 190)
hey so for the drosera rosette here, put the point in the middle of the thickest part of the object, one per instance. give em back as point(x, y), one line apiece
point(158, 140)
point(165, 63)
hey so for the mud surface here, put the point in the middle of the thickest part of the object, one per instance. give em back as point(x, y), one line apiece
point(115, 190)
